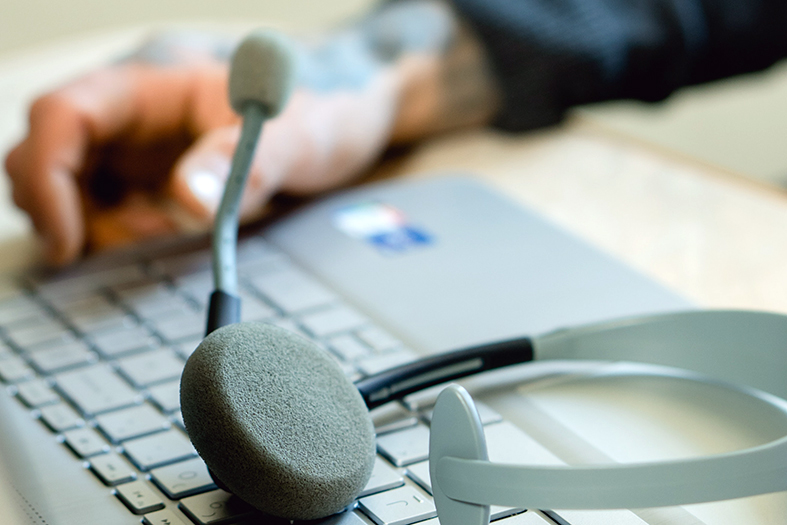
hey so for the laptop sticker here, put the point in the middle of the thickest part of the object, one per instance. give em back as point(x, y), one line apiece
point(382, 226)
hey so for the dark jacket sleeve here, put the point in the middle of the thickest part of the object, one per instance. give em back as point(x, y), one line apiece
point(550, 55)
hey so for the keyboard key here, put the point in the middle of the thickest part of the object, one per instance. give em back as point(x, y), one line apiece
point(405, 447)
point(93, 313)
point(197, 286)
point(183, 479)
point(287, 324)
point(184, 264)
point(6, 351)
point(139, 497)
point(333, 320)
point(401, 506)
point(74, 295)
point(162, 517)
point(217, 506)
point(186, 348)
point(292, 290)
point(345, 518)
point(151, 367)
point(253, 309)
point(124, 340)
point(254, 252)
point(21, 310)
point(392, 417)
point(15, 369)
point(349, 370)
point(184, 325)
point(377, 338)
point(376, 364)
point(348, 348)
point(37, 393)
point(527, 518)
point(166, 396)
point(177, 418)
point(84, 305)
point(85, 442)
point(159, 449)
point(48, 331)
point(131, 422)
point(497, 512)
point(96, 389)
point(419, 472)
point(153, 300)
point(61, 417)
point(600, 517)
point(112, 469)
point(62, 357)
point(524, 518)
point(78, 284)
point(384, 477)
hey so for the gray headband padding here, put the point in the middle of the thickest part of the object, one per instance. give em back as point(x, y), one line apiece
point(276, 421)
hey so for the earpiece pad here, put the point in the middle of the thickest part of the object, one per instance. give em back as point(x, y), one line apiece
point(276, 421)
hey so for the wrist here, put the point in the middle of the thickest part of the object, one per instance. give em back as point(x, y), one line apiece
point(444, 79)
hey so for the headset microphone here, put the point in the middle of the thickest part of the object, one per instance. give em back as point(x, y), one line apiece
point(279, 424)
point(262, 76)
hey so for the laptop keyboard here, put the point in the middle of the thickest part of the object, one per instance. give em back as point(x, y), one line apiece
point(97, 358)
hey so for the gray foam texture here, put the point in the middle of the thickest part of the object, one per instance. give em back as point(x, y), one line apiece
point(262, 71)
point(276, 421)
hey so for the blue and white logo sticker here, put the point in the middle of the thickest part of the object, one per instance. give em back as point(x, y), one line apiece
point(381, 225)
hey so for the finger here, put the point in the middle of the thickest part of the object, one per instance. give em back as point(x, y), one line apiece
point(133, 103)
point(41, 171)
point(144, 102)
point(139, 216)
point(199, 176)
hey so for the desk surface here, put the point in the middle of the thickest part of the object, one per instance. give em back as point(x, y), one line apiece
point(713, 236)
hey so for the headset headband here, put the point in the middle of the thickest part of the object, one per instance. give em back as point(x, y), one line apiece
point(734, 347)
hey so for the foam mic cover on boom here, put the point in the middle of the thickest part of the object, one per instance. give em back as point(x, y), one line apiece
point(301, 456)
point(262, 71)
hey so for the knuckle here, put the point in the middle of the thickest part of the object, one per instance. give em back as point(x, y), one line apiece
point(51, 106)
point(11, 163)
point(18, 196)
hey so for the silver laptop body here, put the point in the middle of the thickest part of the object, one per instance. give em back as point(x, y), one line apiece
point(437, 264)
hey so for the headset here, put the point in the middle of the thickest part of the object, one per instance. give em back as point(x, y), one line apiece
point(280, 426)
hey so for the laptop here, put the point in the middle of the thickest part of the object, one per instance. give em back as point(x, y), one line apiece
point(90, 430)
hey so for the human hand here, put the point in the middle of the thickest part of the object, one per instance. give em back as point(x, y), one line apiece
point(142, 148)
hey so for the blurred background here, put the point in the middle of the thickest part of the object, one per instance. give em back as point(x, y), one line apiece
point(736, 124)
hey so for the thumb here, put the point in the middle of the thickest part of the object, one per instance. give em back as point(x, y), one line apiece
point(199, 176)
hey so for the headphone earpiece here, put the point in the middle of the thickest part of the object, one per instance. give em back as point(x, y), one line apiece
point(277, 422)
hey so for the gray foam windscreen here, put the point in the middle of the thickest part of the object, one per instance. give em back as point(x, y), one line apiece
point(263, 71)
point(276, 421)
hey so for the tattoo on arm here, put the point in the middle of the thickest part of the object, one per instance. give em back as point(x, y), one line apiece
point(446, 80)
point(470, 92)
point(450, 83)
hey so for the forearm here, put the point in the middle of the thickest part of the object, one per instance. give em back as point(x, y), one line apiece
point(444, 80)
